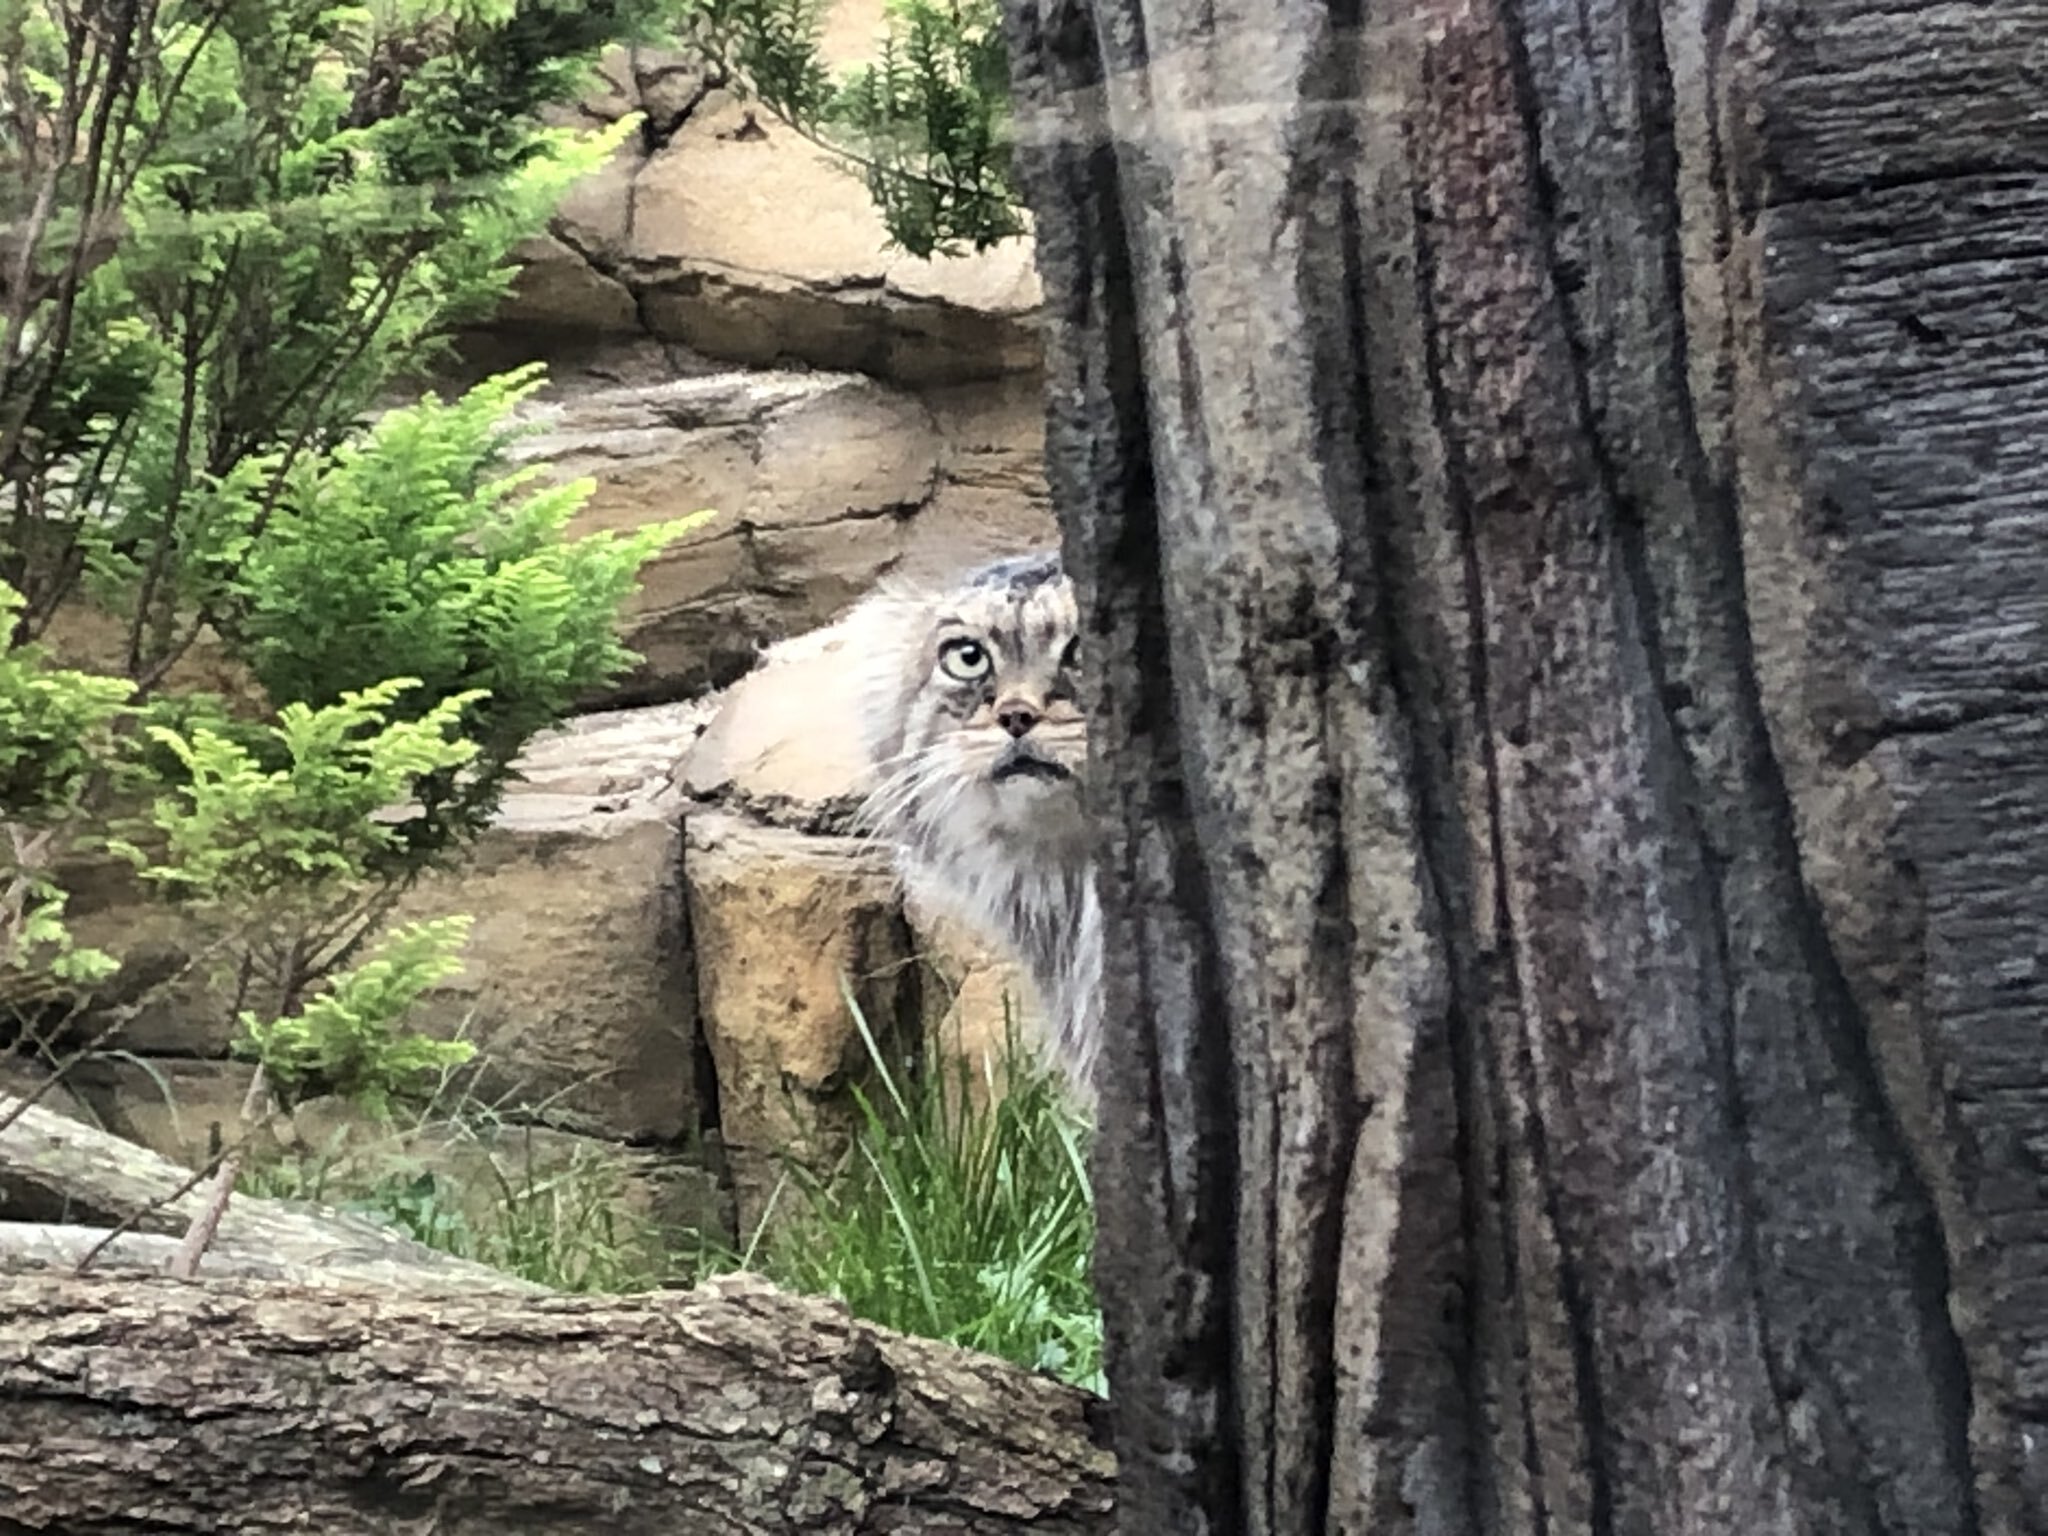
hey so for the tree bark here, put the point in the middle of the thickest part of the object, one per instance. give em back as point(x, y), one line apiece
point(732, 1410)
point(1562, 535)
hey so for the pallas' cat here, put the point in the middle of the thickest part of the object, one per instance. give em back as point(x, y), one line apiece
point(977, 746)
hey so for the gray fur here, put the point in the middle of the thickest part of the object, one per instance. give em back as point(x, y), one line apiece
point(981, 827)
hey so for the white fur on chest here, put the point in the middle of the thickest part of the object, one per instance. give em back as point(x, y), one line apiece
point(1045, 913)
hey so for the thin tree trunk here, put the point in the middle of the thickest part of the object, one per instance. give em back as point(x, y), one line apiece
point(733, 1410)
point(1558, 502)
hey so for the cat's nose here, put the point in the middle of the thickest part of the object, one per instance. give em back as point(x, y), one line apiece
point(1015, 716)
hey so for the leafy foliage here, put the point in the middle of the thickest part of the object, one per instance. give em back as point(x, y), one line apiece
point(230, 231)
point(416, 543)
point(40, 953)
point(239, 833)
point(926, 126)
point(929, 121)
point(288, 862)
point(346, 1041)
point(294, 203)
point(57, 727)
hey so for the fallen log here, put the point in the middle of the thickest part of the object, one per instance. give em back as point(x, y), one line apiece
point(64, 1248)
point(229, 1406)
point(56, 1171)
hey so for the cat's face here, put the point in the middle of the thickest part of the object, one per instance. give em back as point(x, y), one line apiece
point(975, 723)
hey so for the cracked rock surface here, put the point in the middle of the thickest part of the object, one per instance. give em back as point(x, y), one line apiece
point(822, 483)
point(688, 237)
point(726, 326)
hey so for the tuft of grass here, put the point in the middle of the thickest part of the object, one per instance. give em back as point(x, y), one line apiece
point(958, 1215)
point(961, 1211)
point(570, 1227)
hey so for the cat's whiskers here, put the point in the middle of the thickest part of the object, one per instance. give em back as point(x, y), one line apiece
point(901, 809)
point(916, 768)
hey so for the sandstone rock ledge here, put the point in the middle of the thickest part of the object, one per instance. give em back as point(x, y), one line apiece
point(718, 228)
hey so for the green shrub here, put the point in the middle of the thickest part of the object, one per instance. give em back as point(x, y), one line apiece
point(347, 1041)
point(279, 215)
point(293, 205)
point(287, 811)
point(58, 727)
point(417, 543)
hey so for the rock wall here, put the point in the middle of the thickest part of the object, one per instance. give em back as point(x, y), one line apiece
point(728, 328)
point(671, 900)
point(822, 482)
point(718, 230)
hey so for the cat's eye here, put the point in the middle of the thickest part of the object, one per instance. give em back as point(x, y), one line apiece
point(1070, 658)
point(965, 661)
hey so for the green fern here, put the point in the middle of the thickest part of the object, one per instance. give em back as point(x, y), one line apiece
point(347, 1040)
point(419, 547)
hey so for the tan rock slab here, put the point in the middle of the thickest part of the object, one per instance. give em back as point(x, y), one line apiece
point(991, 497)
point(815, 479)
point(745, 241)
point(576, 986)
point(722, 266)
point(784, 741)
point(567, 301)
point(780, 922)
point(172, 994)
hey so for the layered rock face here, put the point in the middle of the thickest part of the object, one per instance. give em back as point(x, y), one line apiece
point(822, 482)
point(727, 327)
point(671, 912)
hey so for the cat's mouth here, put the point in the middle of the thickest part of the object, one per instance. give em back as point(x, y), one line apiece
point(1028, 765)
